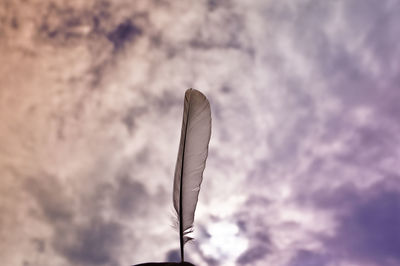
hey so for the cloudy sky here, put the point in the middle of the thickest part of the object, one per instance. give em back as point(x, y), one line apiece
point(304, 153)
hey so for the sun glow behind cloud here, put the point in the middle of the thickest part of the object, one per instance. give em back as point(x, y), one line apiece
point(225, 243)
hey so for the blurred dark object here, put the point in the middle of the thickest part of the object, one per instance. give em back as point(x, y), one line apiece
point(165, 264)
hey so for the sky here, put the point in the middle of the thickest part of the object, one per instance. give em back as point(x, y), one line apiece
point(304, 152)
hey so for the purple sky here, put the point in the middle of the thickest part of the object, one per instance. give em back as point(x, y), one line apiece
point(304, 152)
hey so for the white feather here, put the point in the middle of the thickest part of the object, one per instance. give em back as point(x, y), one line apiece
point(192, 155)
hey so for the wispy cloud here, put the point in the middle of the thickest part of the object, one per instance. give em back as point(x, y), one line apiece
point(303, 154)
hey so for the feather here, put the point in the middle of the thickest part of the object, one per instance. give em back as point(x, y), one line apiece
point(191, 161)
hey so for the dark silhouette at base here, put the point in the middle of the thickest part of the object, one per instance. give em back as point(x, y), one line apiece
point(165, 264)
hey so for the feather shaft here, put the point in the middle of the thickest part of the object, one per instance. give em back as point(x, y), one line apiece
point(192, 155)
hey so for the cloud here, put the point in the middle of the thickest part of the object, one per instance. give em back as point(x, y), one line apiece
point(130, 197)
point(252, 255)
point(173, 256)
point(123, 33)
point(305, 118)
point(372, 218)
point(89, 228)
point(82, 238)
point(366, 220)
point(95, 243)
point(307, 258)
